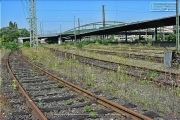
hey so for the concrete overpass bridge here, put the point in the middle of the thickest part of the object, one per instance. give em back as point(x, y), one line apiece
point(111, 28)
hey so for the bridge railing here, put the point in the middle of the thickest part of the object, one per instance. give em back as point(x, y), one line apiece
point(94, 26)
point(49, 34)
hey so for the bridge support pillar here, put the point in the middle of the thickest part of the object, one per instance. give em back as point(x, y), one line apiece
point(155, 33)
point(59, 40)
point(126, 36)
point(139, 36)
point(102, 36)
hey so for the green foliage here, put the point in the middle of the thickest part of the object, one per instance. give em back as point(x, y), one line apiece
point(40, 103)
point(34, 56)
point(9, 35)
point(88, 108)
point(97, 42)
point(69, 102)
point(144, 81)
point(90, 78)
point(14, 84)
point(149, 40)
point(49, 41)
point(171, 37)
point(79, 45)
point(153, 74)
point(1, 81)
point(87, 42)
point(93, 114)
point(60, 85)
point(24, 33)
point(10, 45)
point(13, 25)
point(178, 91)
point(80, 99)
point(105, 42)
point(26, 44)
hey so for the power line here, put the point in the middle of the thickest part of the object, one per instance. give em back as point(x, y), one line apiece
point(96, 11)
point(24, 7)
point(61, 21)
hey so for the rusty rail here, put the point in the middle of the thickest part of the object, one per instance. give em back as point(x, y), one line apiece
point(101, 100)
point(118, 63)
point(126, 54)
point(127, 65)
point(35, 110)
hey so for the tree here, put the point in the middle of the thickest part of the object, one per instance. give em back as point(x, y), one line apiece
point(171, 37)
point(9, 34)
point(11, 25)
point(24, 33)
point(15, 25)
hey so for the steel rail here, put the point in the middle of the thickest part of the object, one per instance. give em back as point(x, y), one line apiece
point(161, 71)
point(35, 110)
point(126, 54)
point(101, 100)
point(136, 67)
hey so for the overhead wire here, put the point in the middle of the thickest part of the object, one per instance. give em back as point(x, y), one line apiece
point(24, 8)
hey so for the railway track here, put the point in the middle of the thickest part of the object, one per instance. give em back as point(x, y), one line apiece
point(60, 99)
point(157, 59)
point(157, 76)
point(11, 101)
point(131, 49)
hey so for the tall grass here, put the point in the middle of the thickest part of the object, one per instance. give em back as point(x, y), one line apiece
point(164, 99)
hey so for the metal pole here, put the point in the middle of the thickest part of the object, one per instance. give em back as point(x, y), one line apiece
point(60, 32)
point(78, 26)
point(40, 28)
point(103, 15)
point(177, 26)
point(33, 24)
point(74, 29)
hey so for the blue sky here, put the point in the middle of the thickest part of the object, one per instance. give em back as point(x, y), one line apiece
point(53, 13)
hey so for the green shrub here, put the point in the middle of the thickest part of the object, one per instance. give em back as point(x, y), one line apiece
point(93, 114)
point(26, 44)
point(60, 85)
point(10, 45)
point(79, 45)
point(149, 40)
point(105, 42)
point(88, 108)
point(69, 102)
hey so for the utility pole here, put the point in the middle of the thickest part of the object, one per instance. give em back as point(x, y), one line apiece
point(177, 26)
point(60, 31)
point(41, 28)
point(103, 16)
point(78, 25)
point(74, 28)
point(33, 24)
